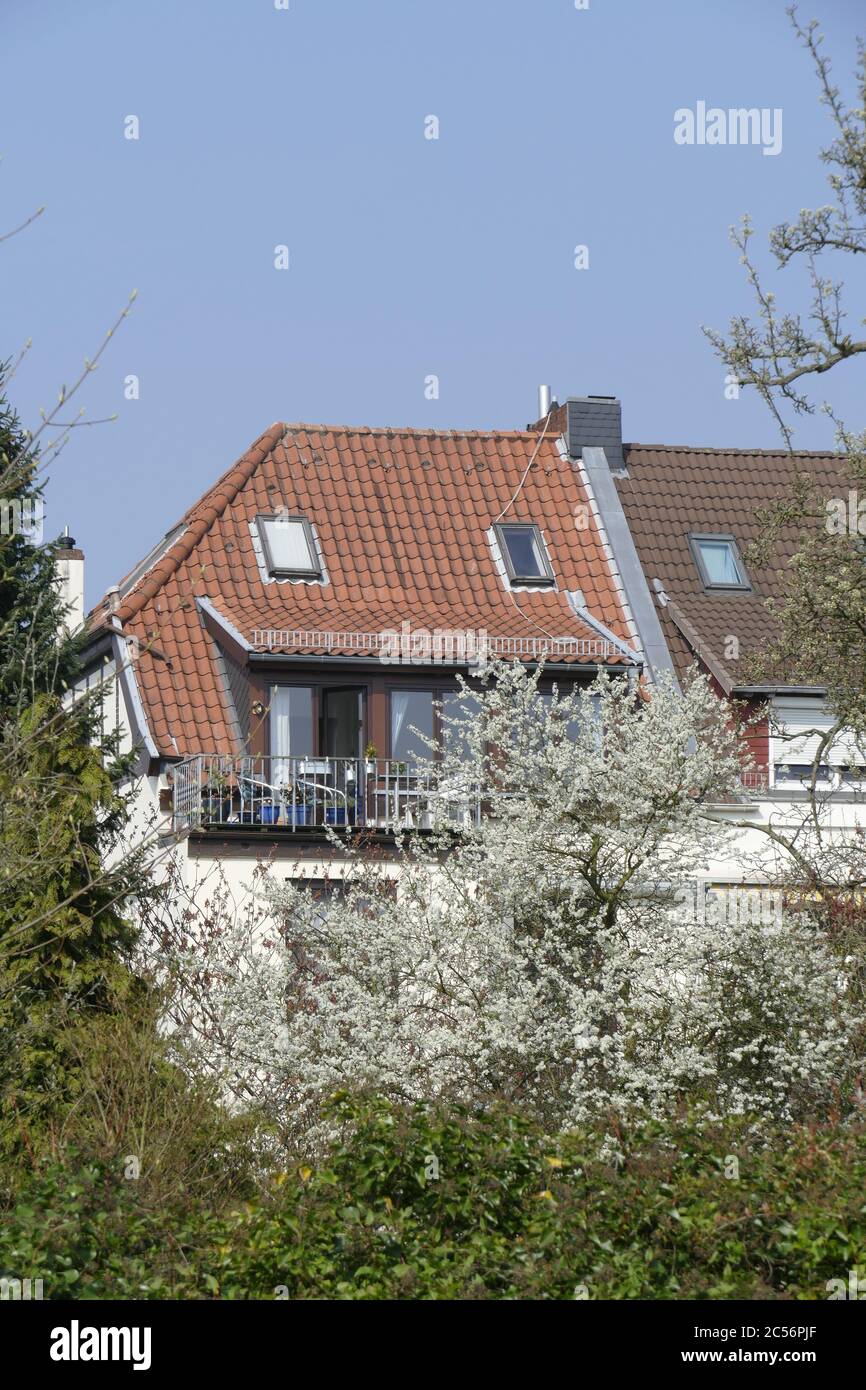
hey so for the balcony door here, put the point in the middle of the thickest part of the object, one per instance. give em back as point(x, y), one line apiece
point(342, 723)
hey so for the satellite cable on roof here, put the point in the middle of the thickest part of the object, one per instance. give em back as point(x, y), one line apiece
point(543, 393)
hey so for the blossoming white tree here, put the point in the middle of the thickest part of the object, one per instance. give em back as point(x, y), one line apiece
point(544, 955)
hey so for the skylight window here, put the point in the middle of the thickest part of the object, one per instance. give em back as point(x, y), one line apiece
point(289, 547)
point(524, 553)
point(719, 563)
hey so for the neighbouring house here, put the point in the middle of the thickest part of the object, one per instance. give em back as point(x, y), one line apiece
point(688, 517)
point(274, 651)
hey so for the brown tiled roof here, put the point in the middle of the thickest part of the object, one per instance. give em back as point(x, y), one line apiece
point(401, 517)
point(670, 492)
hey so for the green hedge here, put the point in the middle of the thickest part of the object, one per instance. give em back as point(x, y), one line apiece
point(510, 1215)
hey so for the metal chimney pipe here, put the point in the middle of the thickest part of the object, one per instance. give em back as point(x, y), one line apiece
point(543, 401)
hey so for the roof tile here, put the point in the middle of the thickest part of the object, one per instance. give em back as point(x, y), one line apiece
point(672, 491)
point(402, 519)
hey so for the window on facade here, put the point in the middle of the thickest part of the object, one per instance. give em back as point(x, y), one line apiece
point(524, 553)
point(719, 562)
point(289, 547)
point(801, 731)
point(802, 773)
point(323, 892)
point(408, 708)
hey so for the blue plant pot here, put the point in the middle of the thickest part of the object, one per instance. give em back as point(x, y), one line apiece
point(296, 815)
point(270, 815)
point(335, 815)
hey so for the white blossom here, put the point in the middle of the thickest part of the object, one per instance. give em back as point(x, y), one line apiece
point(542, 956)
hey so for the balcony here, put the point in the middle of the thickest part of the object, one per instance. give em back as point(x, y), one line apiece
point(289, 795)
point(754, 779)
point(285, 795)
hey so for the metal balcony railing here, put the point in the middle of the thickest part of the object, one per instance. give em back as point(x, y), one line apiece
point(289, 794)
point(755, 779)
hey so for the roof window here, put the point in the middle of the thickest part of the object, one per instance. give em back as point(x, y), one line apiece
point(524, 553)
point(719, 563)
point(289, 547)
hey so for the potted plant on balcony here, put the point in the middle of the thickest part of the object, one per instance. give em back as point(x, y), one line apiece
point(270, 812)
point(297, 802)
point(341, 811)
point(370, 756)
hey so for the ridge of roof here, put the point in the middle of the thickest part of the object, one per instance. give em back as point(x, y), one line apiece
point(748, 453)
point(393, 431)
point(210, 506)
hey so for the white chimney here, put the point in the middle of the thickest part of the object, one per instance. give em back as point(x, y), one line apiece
point(70, 571)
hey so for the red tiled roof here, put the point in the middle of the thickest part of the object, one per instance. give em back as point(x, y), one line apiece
point(401, 517)
point(673, 491)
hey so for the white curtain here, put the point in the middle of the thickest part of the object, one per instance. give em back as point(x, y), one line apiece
point(281, 735)
point(399, 710)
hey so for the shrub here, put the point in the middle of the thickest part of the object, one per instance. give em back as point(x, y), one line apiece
point(415, 1203)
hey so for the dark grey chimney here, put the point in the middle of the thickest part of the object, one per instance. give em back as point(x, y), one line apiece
point(595, 421)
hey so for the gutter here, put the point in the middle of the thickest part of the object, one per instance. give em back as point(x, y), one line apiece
point(752, 690)
point(257, 658)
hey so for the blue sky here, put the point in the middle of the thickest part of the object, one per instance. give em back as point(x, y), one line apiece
point(408, 257)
